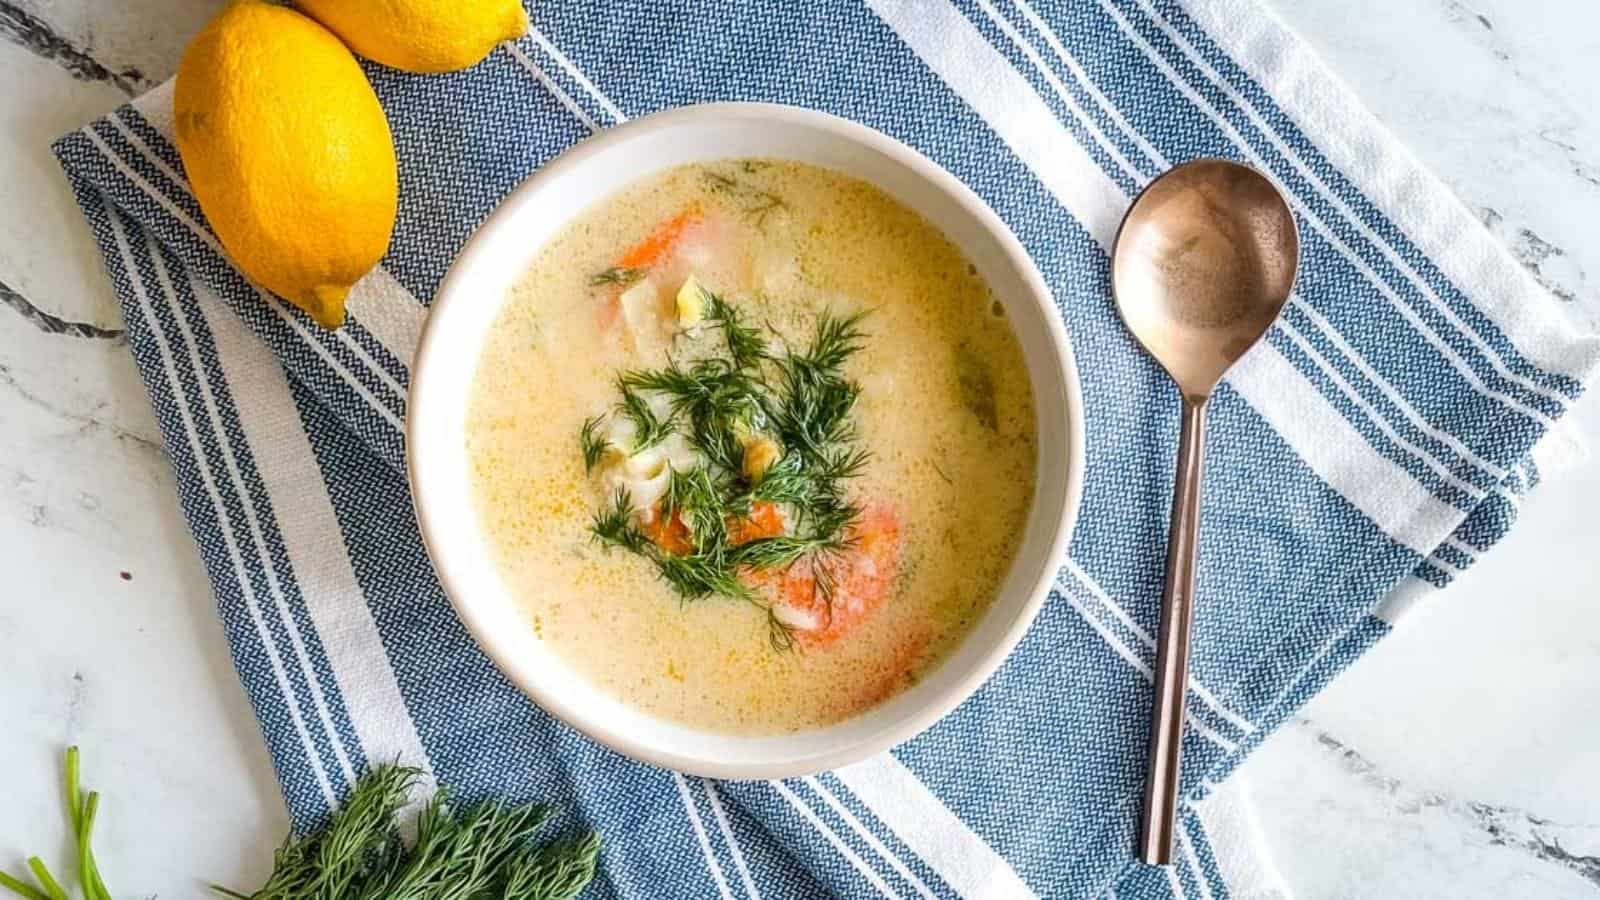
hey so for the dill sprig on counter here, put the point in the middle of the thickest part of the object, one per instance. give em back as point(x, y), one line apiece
point(82, 806)
point(482, 851)
point(752, 390)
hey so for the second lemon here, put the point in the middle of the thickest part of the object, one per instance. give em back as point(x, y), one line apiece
point(421, 35)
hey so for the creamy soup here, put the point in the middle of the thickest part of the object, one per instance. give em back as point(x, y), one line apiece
point(753, 445)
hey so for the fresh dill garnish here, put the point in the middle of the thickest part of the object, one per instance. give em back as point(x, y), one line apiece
point(696, 499)
point(649, 428)
point(779, 634)
point(713, 398)
point(746, 347)
point(748, 395)
point(788, 481)
point(844, 462)
point(621, 276)
point(613, 524)
point(814, 399)
point(693, 575)
point(698, 575)
point(784, 550)
point(593, 445)
point(754, 202)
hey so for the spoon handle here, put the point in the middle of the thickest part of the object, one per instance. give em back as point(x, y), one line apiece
point(1172, 646)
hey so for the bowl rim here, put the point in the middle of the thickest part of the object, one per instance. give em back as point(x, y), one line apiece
point(894, 732)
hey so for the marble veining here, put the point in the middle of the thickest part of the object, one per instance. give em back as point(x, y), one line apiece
point(34, 33)
point(1459, 13)
point(1504, 825)
point(1536, 254)
point(53, 324)
point(1453, 762)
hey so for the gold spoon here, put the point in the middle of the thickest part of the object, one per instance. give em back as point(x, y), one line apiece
point(1204, 261)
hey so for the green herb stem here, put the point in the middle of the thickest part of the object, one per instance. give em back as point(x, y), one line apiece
point(52, 888)
point(22, 888)
point(88, 878)
point(74, 801)
point(459, 857)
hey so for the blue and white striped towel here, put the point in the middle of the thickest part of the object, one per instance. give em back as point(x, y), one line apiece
point(1368, 452)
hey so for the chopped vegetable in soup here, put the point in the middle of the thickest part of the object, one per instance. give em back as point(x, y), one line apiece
point(755, 479)
point(754, 444)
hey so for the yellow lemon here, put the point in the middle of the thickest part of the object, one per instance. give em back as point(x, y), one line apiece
point(288, 152)
point(422, 35)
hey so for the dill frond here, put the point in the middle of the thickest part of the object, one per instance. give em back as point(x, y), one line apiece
point(699, 501)
point(712, 398)
point(649, 429)
point(613, 525)
point(558, 871)
point(458, 855)
point(754, 202)
point(814, 399)
point(783, 551)
point(696, 576)
point(779, 634)
point(799, 401)
point(592, 444)
point(746, 347)
point(621, 276)
point(486, 850)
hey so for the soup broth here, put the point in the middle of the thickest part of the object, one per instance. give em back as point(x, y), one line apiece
point(843, 565)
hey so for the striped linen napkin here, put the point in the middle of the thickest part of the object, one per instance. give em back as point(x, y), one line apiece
point(1367, 453)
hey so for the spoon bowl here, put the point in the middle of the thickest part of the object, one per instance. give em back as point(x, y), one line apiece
point(1203, 263)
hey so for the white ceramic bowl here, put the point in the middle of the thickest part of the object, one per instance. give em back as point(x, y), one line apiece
point(471, 296)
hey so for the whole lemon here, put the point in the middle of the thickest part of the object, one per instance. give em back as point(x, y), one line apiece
point(288, 152)
point(422, 35)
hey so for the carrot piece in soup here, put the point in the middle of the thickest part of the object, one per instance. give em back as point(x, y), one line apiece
point(648, 253)
point(764, 521)
point(862, 579)
point(659, 242)
point(669, 533)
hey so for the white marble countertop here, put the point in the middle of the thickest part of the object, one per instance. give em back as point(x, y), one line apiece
point(1457, 760)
